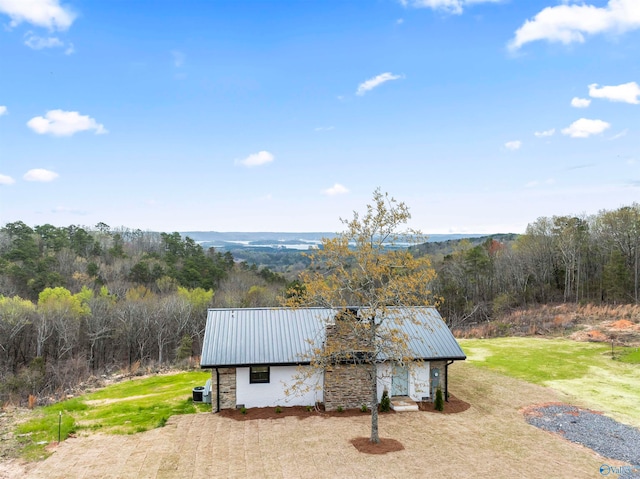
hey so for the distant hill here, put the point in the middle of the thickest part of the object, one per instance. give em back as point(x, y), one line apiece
point(443, 248)
point(284, 252)
point(282, 240)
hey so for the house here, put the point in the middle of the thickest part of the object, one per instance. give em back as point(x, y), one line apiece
point(257, 354)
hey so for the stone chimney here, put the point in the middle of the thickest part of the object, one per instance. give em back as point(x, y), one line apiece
point(348, 375)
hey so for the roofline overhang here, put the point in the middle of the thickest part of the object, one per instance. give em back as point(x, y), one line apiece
point(307, 363)
point(248, 365)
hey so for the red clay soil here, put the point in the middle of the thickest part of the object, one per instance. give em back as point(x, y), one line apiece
point(454, 406)
point(597, 336)
point(534, 409)
point(622, 324)
point(300, 412)
point(363, 444)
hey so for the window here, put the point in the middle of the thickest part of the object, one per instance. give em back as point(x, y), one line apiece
point(259, 374)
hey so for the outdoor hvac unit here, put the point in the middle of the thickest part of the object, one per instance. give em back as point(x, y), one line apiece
point(206, 394)
point(197, 393)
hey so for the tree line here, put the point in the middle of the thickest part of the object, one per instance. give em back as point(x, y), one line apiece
point(76, 301)
point(579, 259)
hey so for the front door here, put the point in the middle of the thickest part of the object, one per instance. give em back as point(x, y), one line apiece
point(400, 381)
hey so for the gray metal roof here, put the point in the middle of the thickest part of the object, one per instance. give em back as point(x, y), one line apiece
point(251, 336)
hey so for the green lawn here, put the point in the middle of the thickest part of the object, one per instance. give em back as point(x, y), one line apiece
point(585, 371)
point(124, 408)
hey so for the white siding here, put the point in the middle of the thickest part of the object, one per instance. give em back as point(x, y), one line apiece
point(418, 379)
point(273, 393)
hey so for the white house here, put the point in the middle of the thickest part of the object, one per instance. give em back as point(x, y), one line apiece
point(257, 354)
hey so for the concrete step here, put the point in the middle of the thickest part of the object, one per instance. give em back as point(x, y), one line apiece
point(403, 403)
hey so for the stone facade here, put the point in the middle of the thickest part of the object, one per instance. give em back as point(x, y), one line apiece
point(227, 388)
point(348, 386)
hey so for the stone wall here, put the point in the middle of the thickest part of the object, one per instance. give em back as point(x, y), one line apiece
point(227, 389)
point(347, 386)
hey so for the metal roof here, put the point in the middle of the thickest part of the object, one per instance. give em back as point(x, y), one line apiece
point(279, 336)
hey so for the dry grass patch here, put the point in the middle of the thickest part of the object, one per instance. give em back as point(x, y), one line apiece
point(490, 439)
point(562, 320)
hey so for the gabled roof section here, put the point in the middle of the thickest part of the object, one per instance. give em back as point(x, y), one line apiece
point(242, 337)
point(429, 336)
point(287, 336)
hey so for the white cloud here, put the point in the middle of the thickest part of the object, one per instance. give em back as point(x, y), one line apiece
point(178, 58)
point(39, 174)
point(399, 21)
point(580, 102)
point(627, 92)
point(64, 123)
point(449, 6)
point(534, 183)
point(73, 211)
point(336, 189)
point(43, 13)
point(584, 128)
point(374, 82)
point(256, 159)
point(6, 180)
point(3, 110)
point(569, 23)
point(620, 135)
point(513, 145)
point(545, 133)
point(39, 43)
point(70, 49)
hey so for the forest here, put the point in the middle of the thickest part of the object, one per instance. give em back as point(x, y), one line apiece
point(78, 301)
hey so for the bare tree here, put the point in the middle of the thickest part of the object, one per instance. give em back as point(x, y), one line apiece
point(363, 267)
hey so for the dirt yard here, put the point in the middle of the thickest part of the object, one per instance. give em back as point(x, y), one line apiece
point(489, 440)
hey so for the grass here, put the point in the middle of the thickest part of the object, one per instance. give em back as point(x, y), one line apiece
point(585, 371)
point(631, 356)
point(125, 408)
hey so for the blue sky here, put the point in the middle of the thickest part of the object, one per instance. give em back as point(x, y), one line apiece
point(286, 115)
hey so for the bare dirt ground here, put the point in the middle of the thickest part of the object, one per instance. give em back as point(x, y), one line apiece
point(490, 439)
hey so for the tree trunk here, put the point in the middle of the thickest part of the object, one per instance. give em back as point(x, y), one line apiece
point(374, 382)
point(374, 405)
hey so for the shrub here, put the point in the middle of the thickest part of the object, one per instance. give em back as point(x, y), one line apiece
point(438, 404)
point(340, 409)
point(278, 409)
point(184, 349)
point(363, 408)
point(385, 402)
point(243, 410)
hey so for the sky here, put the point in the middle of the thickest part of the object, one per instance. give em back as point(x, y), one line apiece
point(194, 115)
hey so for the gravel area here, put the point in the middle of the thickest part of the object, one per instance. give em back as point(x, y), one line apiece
point(602, 434)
